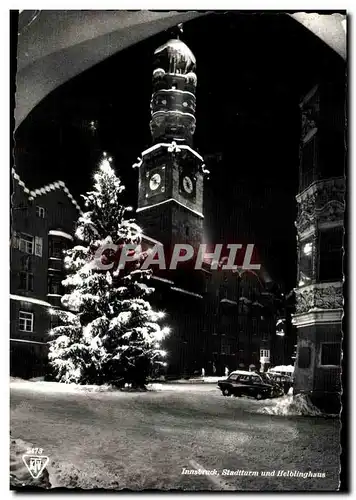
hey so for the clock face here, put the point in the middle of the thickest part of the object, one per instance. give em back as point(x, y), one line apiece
point(188, 184)
point(155, 182)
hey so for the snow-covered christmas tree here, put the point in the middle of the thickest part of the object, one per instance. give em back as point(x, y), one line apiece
point(109, 332)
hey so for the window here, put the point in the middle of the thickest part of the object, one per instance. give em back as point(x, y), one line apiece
point(331, 354)
point(331, 255)
point(225, 346)
point(233, 376)
point(29, 244)
point(304, 357)
point(306, 263)
point(26, 263)
point(25, 321)
point(264, 353)
point(54, 285)
point(26, 281)
point(334, 153)
point(38, 246)
point(40, 212)
point(54, 322)
point(15, 240)
point(26, 243)
point(308, 161)
point(57, 247)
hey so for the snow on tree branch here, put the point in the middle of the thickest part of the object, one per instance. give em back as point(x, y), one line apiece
point(109, 332)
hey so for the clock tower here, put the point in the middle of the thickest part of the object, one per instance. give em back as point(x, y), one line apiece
point(170, 203)
point(170, 199)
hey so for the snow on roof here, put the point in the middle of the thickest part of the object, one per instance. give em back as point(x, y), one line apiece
point(282, 368)
point(55, 232)
point(32, 300)
point(242, 372)
point(46, 189)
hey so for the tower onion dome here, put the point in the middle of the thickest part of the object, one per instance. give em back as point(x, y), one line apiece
point(175, 57)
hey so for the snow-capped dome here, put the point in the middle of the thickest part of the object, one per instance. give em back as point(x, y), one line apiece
point(191, 78)
point(176, 57)
point(158, 73)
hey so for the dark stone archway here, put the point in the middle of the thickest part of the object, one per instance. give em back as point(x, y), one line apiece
point(55, 46)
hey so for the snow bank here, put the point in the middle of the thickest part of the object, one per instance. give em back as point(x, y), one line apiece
point(198, 380)
point(58, 387)
point(290, 406)
point(54, 387)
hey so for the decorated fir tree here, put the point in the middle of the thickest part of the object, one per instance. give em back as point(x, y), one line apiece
point(109, 332)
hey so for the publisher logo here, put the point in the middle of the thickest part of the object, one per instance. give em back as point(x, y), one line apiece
point(35, 461)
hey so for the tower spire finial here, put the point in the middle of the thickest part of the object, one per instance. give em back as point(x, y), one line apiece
point(179, 30)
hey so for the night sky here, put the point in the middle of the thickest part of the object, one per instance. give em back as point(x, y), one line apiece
point(252, 71)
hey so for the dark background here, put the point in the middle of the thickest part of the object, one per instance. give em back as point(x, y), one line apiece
point(252, 70)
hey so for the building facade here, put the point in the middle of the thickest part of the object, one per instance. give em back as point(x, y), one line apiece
point(320, 228)
point(42, 227)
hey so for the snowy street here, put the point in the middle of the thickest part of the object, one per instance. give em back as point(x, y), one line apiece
point(144, 440)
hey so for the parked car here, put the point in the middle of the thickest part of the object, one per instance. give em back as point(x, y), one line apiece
point(243, 383)
point(284, 381)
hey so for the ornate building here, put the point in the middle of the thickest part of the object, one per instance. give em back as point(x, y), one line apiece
point(320, 230)
point(42, 228)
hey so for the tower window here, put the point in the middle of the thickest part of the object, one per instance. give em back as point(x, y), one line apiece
point(187, 231)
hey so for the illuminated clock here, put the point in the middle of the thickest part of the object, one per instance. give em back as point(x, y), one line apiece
point(155, 181)
point(188, 185)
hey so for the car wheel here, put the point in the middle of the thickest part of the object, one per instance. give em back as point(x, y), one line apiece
point(226, 392)
point(259, 396)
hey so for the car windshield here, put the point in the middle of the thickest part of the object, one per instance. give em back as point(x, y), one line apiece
point(233, 376)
